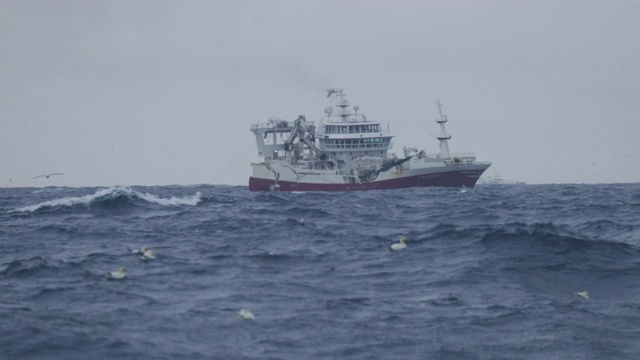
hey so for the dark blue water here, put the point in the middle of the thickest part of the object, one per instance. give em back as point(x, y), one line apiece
point(489, 273)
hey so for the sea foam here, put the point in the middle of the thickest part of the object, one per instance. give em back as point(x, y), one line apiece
point(111, 194)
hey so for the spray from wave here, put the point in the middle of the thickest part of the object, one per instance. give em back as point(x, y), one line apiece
point(111, 194)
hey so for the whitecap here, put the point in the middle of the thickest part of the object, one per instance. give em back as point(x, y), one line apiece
point(173, 201)
point(114, 192)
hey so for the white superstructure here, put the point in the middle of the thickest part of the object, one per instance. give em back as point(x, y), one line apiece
point(350, 152)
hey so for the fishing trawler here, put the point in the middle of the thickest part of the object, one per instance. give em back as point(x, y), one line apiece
point(347, 151)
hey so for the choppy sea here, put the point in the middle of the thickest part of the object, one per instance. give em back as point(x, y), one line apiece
point(488, 273)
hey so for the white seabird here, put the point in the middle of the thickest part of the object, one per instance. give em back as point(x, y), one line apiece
point(139, 251)
point(399, 245)
point(583, 294)
point(301, 221)
point(148, 255)
point(245, 314)
point(116, 275)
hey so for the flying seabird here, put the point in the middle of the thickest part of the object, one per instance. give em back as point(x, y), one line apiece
point(584, 294)
point(399, 245)
point(245, 315)
point(116, 275)
point(46, 175)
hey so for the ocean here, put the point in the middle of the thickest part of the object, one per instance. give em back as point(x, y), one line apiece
point(488, 273)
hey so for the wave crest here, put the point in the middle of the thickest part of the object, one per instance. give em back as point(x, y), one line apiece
point(111, 195)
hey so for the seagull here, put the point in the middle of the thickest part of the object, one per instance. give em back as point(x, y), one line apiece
point(245, 315)
point(399, 245)
point(584, 294)
point(116, 275)
point(301, 221)
point(47, 175)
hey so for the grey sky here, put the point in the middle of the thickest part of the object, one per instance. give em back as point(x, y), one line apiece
point(164, 92)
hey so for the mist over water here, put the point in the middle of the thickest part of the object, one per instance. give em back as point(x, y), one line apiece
point(488, 273)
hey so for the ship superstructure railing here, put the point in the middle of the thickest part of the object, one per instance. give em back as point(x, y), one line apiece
point(358, 143)
point(453, 159)
point(462, 155)
point(437, 156)
point(283, 125)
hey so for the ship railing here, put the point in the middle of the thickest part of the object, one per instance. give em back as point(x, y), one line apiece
point(273, 123)
point(462, 155)
point(451, 156)
point(263, 126)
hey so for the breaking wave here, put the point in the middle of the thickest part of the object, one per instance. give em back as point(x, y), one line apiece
point(113, 195)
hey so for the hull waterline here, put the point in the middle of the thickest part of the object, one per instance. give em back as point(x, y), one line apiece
point(466, 179)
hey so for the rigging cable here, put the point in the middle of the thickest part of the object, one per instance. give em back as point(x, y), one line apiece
point(230, 165)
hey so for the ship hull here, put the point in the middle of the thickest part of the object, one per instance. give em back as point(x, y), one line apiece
point(449, 178)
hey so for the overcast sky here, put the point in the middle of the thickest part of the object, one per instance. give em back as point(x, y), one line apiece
point(164, 92)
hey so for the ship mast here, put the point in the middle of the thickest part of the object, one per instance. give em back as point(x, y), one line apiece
point(342, 104)
point(443, 137)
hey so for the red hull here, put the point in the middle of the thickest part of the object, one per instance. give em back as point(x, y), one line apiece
point(465, 178)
